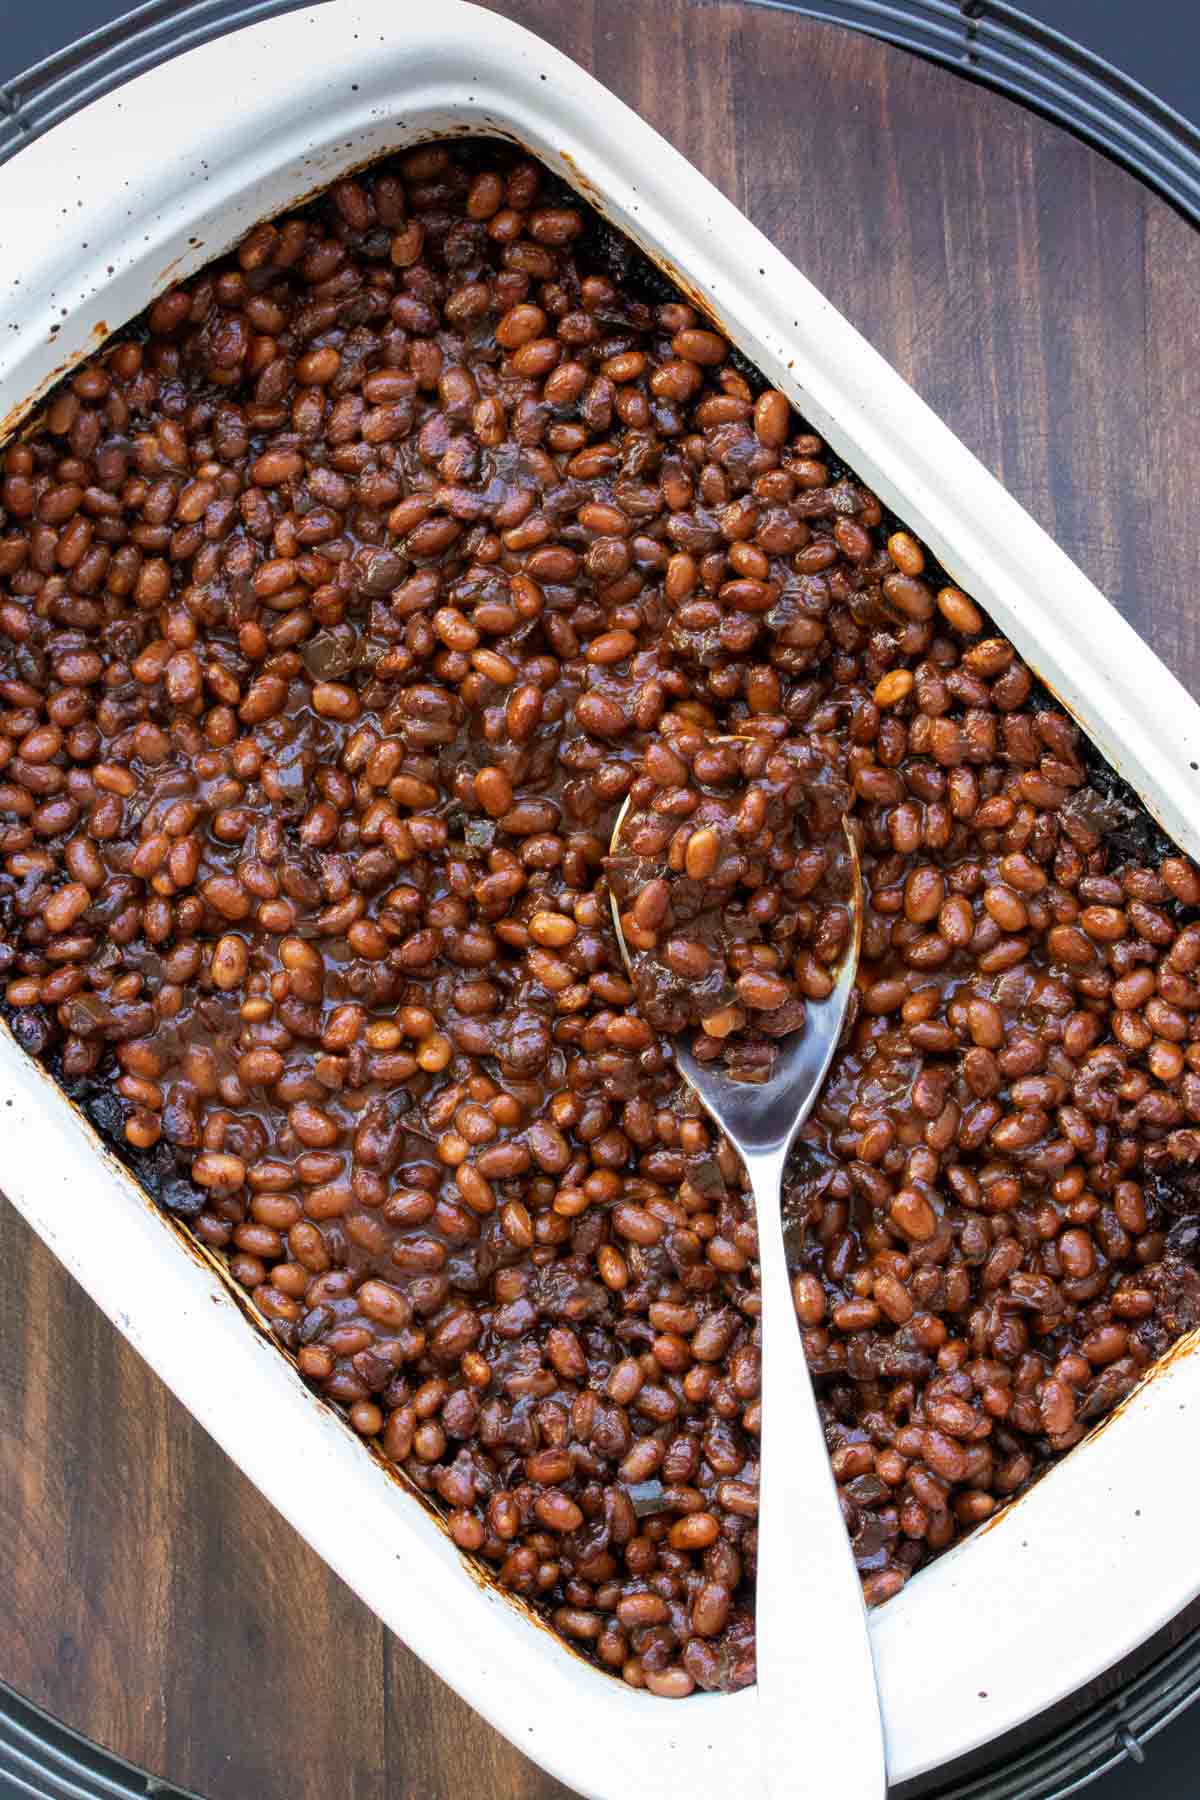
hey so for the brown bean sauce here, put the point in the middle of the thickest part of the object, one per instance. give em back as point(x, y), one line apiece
point(343, 602)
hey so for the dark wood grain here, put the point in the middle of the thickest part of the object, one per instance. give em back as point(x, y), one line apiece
point(1044, 303)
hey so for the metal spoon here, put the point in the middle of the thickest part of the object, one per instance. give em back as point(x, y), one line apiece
point(822, 1734)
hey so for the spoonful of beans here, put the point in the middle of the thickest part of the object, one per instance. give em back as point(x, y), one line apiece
point(735, 890)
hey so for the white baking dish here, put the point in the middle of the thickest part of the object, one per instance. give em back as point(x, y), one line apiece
point(144, 187)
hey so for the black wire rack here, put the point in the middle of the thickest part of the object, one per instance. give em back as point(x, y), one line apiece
point(995, 43)
point(988, 41)
point(94, 65)
point(41, 1760)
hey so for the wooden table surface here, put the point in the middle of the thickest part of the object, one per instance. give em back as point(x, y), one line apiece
point(1045, 304)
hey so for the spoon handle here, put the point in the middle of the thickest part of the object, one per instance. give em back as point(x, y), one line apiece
point(820, 1727)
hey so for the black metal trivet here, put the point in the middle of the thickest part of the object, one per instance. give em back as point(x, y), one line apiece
point(42, 1760)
